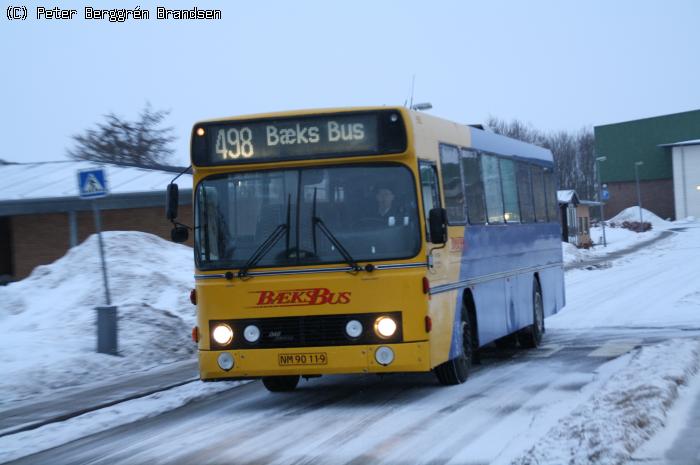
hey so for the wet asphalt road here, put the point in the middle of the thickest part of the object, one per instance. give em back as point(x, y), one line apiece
point(367, 419)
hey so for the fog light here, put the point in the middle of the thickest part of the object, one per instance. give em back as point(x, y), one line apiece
point(353, 328)
point(384, 356)
point(223, 334)
point(385, 326)
point(225, 361)
point(251, 333)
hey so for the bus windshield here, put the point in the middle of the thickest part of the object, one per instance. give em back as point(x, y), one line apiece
point(370, 210)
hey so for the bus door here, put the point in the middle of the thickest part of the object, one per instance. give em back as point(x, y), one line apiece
point(430, 194)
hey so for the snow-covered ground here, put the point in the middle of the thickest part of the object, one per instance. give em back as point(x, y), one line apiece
point(528, 412)
point(627, 409)
point(616, 237)
point(48, 320)
point(680, 432)
point(634, 403)
point(669, 302)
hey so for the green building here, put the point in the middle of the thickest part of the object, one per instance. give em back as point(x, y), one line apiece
point(624, 144)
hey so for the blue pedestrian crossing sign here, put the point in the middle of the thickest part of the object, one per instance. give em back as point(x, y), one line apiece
point(92, 183)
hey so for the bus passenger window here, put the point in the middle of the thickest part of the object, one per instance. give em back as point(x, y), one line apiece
point(538, 190)
point(492, 188)
point(473, 187)
point(527, 206)
point(510, 191)
point(452, 184)
point(550, 184)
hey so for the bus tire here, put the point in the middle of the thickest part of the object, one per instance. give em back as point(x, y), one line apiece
point(531, 336)
point(456, 371)
point(281, 383)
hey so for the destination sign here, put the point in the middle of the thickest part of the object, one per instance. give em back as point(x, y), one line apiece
point(256, 141)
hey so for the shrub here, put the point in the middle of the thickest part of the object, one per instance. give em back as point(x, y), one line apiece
point(636, 226)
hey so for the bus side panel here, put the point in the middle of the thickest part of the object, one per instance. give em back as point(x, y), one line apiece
point(522, 285)
point(442, 313)
point(552, 283)
point(490, 301)
point(504, 304)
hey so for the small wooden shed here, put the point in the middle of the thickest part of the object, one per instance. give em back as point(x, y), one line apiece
point(575, 219)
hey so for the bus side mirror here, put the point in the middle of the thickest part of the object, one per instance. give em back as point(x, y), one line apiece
point(437, 225)
point(171, 202)
point(179, 234)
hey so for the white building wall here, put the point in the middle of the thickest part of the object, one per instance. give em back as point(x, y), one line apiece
point(686, 180)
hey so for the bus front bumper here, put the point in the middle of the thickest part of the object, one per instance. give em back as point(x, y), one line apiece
point(252, 363)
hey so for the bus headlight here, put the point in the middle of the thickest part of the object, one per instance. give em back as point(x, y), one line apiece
point(353, 328)
point(385, 326)
point(222, 334)
point(225, 361)
point(384, 355)
point(251, 333)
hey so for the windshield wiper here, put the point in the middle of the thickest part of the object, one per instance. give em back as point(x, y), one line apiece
point(316, 221)
point(268, 243)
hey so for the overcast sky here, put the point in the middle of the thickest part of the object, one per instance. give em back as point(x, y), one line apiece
point(555, 64)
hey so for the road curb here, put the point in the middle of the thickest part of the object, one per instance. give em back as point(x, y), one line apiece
point(67, 416)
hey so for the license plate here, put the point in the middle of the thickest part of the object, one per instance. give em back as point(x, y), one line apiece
point(316, 358)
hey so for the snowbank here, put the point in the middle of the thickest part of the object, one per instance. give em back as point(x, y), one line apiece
point(48, 319)
point(616, 237)
point(571, 253)
point(624, 413)
point(632, 214)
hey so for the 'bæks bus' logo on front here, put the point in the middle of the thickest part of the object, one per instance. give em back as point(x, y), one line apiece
point(298, 297)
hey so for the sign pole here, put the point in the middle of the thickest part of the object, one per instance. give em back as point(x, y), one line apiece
point(98, 228)
point(600, 197)
point(92, 184)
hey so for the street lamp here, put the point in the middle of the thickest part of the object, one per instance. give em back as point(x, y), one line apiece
point(422, 106)
point(600, 196)
point(637, 164)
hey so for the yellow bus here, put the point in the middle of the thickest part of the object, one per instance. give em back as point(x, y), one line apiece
point(366, 240)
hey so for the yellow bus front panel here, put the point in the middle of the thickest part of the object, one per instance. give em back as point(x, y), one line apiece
point(408, 357)
point(337, 296)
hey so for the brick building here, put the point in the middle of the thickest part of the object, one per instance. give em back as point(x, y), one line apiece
point(41, 215)
point(650, 141)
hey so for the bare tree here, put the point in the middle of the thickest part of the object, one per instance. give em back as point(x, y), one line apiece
point(516, 129)
point(573, 152)
point(142, 142)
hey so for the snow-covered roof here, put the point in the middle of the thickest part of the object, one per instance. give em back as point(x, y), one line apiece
point(681, 143)
point(567, 196)
point(51, 180)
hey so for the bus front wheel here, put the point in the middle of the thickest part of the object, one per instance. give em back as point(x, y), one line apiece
point(456, 371)
point(280, 383)
point(531, 336)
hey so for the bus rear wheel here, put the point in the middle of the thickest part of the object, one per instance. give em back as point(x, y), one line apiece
point(531, 336)
point(280, 383)
point(456, 371)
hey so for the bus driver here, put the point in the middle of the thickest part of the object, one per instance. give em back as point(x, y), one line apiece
point(385, 203)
